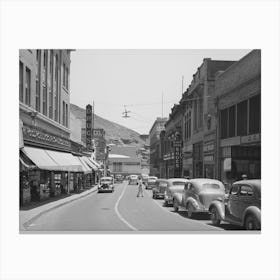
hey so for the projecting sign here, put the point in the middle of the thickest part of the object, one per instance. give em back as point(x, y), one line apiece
point(89, 127)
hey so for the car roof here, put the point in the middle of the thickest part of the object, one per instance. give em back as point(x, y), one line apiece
point(200, 181)
point(253, 182)
point(171, 180)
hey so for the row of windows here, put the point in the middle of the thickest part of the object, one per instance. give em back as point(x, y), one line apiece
point(187, 130)
point(65, 120)
point(241, 119)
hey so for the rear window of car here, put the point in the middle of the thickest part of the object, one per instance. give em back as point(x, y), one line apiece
point(208, 186)
point(178, 183)
point(106, 181)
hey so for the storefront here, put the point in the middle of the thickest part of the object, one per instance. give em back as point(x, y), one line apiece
point(243, 159)
point(198, 160)
point(188, 161)
point(209, 159)
point(51, 173)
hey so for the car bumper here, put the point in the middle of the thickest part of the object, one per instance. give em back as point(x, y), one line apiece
point(159, 195)
point(168, 200)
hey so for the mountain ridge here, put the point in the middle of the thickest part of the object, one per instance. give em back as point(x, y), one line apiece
point(114, 133)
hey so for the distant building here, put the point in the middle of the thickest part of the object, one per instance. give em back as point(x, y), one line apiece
point(123, 164)
point(154, 136)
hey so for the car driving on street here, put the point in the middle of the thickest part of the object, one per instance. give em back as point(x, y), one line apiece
point(106, 184)
point(133, 179)
point(242, 206)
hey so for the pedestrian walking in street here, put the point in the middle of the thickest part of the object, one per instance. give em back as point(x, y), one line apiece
point(140, 187)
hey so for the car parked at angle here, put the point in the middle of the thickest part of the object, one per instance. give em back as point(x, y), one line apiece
point(198, 194)
point(145, 179)
point(160, 188)
point(242, 206)
point(133, 179)
point(106, 184)
point(174, 185)
point(151, 182)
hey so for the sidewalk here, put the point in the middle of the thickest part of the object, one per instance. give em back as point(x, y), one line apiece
point(27, 216)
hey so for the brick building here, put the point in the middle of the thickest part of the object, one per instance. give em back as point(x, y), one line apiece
point(238, 98)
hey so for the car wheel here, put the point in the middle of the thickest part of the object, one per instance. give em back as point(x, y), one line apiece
point(190, 210)
point(251, 223)
point(175, 205)
point(214, 217)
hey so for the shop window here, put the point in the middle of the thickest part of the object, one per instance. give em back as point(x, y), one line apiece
point(255, 114)
point(224, 123)
point(242, 118)
point(231, 121)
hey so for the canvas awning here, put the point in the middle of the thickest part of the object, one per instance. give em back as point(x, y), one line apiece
point(53, 160)
point(90, 163)
point(86, 168)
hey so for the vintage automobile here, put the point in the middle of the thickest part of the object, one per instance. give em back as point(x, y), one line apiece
point(174, 185)
point(198, 195)
point(144, 179)
point(106, 184)
point(133, 179)
point(160, 188)
point(151, 182)
point(119, 178)
point(242, 206)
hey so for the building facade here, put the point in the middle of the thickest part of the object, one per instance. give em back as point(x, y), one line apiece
point(238, 97)
point(199, 121)
point(47, 166)
point(154, 136)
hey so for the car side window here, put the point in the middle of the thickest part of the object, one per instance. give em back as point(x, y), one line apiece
point(234, 190)
point(191, 187)
point(246, 190)
point(186, 186)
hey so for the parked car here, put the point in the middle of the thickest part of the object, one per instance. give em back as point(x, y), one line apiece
point(198, 195)
point(151, 182)
point(106, 184)
point(242, 206)
point(119, 178)
point(133, 179)
point(174, 185)
point(145, 179)
point(160, 188)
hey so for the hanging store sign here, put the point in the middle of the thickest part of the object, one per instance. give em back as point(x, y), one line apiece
point(89, 127)
point(177, 158)
point(250, 138)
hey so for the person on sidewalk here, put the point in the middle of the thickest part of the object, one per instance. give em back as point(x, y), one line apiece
point(140, 187)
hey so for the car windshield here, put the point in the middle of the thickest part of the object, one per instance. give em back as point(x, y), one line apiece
point(210, 186)
point(106, 181)
point(162, 184)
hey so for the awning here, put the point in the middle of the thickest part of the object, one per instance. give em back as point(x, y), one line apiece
point(25, 161)
point(95, 162)
point(90, 163)
point(66, 161)
point(86, 168)
point(52, 160)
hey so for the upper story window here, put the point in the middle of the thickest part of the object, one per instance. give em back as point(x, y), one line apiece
point(255, 114)
point(27, 86)
point(67, 78)
point(64, 75)
point(21, 81)
point(242, 115)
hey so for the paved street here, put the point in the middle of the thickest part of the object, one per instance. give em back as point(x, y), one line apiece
point(120, 211)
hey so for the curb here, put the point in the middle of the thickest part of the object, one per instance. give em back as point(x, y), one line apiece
point(31, 220)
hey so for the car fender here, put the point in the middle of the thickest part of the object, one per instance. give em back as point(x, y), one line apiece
point(192, 201)
point(178, 197)
point(220, 207)
point(252, 210)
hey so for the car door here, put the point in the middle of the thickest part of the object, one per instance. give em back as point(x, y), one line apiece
point(246, 199)
point(232, 203)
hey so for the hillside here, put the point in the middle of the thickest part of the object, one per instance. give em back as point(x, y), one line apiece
point(114, 132)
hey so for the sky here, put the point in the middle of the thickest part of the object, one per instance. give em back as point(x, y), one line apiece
point(147, 82)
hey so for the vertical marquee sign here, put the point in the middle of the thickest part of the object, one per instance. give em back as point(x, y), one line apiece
point(89, 127)
point(177, 159)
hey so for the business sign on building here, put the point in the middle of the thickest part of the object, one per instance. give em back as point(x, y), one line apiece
point(89, 127)
point(177, 158)
point(100, 143)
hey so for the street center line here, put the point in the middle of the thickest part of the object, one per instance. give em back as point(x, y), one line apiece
point(118, 213)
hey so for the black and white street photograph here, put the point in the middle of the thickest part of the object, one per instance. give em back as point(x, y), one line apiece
point(136, 137)
point(140, 140)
